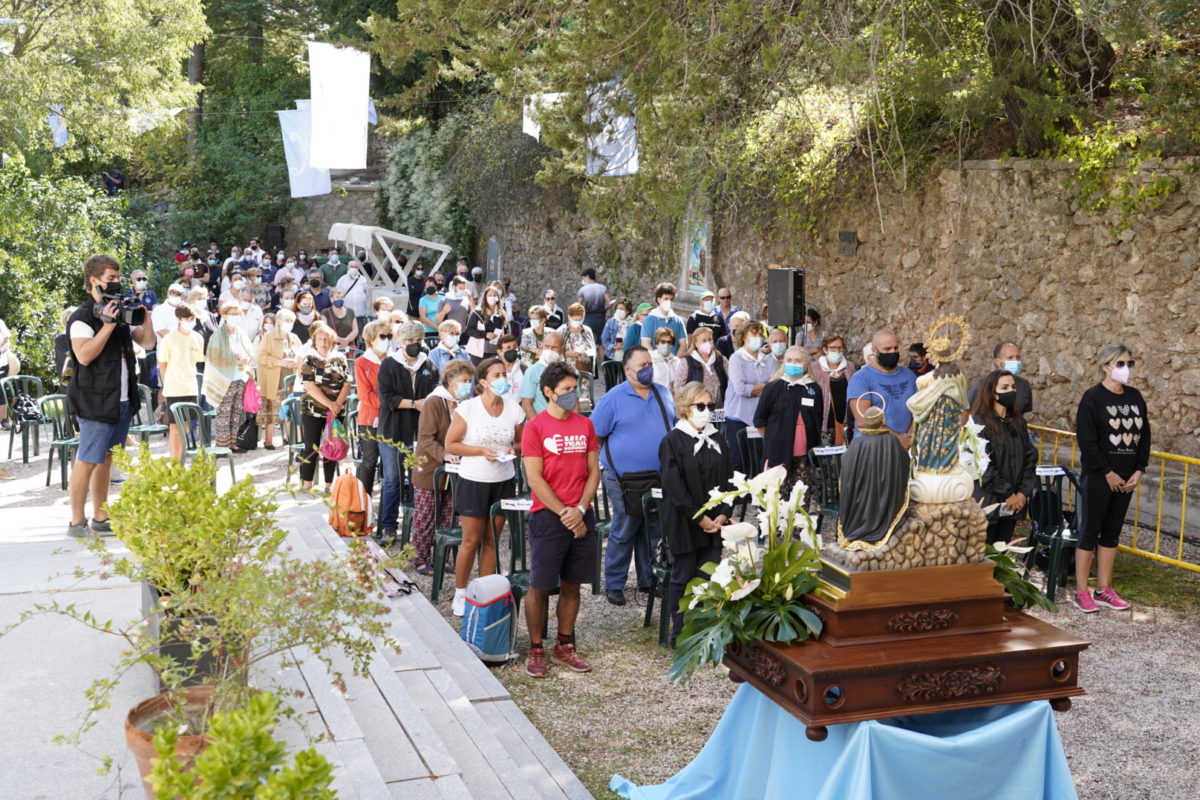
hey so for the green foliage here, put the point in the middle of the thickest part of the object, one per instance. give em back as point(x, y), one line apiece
point(109, 63)
point(1008, 573)
point(48, 228)
point(415, 197)
point(242, 761)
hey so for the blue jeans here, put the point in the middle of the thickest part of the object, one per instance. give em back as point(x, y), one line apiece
point(389, 499)
point(627, 537)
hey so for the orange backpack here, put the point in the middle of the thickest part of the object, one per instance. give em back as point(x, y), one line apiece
point(350, 510)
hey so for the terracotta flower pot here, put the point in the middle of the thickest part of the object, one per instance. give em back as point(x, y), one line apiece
point(140, 740)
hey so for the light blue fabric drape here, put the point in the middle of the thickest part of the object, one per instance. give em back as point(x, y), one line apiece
point(759, 752)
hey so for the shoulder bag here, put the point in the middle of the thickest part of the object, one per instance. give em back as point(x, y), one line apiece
point(635, 484)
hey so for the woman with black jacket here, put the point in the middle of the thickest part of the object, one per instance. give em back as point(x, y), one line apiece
point(693, 463)
point(789, 416)
point(485, 326)
point(1010, 476)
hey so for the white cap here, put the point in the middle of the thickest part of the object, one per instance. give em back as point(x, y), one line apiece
point(175, 287)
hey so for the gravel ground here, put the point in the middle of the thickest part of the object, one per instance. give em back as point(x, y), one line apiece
point(1134, 735)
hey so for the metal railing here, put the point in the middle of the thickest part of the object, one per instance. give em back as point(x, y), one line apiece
point(1166, 503)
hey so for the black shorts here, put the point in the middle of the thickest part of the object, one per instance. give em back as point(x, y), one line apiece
point(174, 401)
point(556, 555)
point(475, 499)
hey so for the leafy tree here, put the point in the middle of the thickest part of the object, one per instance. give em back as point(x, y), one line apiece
point(111, 64)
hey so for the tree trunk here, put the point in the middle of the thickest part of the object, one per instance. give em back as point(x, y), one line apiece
point(195, 73)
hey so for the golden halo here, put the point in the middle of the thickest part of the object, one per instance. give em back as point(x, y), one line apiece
point(938, 344)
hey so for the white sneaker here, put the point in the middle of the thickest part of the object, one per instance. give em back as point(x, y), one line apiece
point(459, 606)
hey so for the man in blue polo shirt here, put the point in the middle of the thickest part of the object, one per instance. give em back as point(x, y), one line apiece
point(632, 418)
point(884, 375)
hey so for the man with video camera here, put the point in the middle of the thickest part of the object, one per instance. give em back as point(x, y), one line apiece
point(103, 390)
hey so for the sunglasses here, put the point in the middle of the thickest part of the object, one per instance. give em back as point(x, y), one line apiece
point(1130, 363)
point(383, 336)
point(724, 297)
point(548, 299)
point(705, 406)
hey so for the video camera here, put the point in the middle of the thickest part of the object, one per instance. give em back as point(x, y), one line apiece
point(131, 310)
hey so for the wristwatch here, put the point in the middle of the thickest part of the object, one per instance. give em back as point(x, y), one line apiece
point(582, 510)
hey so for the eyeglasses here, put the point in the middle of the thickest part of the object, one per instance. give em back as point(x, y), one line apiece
point(551, 297)
point(705, 406)
point(383, 336)
point(724, 297)
point(1130, 363)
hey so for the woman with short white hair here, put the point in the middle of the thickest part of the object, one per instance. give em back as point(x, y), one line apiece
point(276, 356)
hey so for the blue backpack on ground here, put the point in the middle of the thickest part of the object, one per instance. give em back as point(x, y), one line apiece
point(489, 621)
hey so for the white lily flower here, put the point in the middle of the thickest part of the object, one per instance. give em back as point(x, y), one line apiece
point(723, 574)
point(1005, 547)
point(768, 480)
point(733, 535)
point(746, 588)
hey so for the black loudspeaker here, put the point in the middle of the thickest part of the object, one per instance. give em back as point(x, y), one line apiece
point(785, 297)
point(275, 240)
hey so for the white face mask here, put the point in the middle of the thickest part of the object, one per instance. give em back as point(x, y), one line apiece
point(268, 328)
point(231, 324)
point(834, 358)
point(700, 419)
point(174, 300)
point(705, 348)
point(492, 300)
point(576, 323)
point(755, 343)
point(664, 349)
point(380, 346)
point(186, 324)
point(664, 306)
point(706, 306)
point(450, 342)
point(538, 324)
point(619, 314)
point(396, 328)
point(550, 356)
point(383, 316)
point(238, 284)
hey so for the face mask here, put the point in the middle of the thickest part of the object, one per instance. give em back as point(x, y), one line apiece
point(302, 257)
point(477, 278)
point(619, 314)
point(700, 419)
point(510, 356)
point(705, 348)
point(793, 370)
point(706, 306)
point(420, 273)
point(281, 260)
point(431, 290)
point(380, 346)
point(231, 324)
point(567, 401)
point(1007, 399)
point(339, 303)
point(1012, 366)
point(290, 305)
point(834, 358)
point(550, 356)
point(500, 386)
point(307, 307)
point(1120, 375)
point(186, 324)
point(492, 299)
point(383, 316)
point(663, 348)
point(888, 361)
point(314, 283)
point(645, 375)
point(268, 328)
point(778, 349)
point(412, 349)
point(189, 272)
point(449, 342)
point(537, 324)
point(238, 284)
point(462, 391)
point(174, 300)
point(913, 364)
point(664, 306)
point(352, 272)
point(212, 262)
point(140, 284)
point(755, 343)
point(576, 323)
point(452, 294)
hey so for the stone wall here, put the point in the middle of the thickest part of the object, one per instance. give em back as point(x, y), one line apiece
point(1001, 244)
point(348, 202)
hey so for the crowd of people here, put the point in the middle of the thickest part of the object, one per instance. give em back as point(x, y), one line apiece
point(464, 376)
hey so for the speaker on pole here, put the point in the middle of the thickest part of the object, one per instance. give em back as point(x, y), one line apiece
point(785, 297)
point(275, 240)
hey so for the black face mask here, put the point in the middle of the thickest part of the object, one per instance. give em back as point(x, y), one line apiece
point(510, 356)
point(888, 360)
point(430, 290)
point(412, 349)
point(1007, 399)
point(315, 284)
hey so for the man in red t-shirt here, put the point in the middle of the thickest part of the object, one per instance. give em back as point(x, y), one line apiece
point(562, 466)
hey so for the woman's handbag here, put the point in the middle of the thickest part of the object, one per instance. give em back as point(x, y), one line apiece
point(334, 446)
point(251, 400)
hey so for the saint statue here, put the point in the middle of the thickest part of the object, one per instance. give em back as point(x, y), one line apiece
point(938, 408)
point(874, 484)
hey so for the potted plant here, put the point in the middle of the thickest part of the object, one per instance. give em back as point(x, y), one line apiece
point(239, 603)
point(754, 593)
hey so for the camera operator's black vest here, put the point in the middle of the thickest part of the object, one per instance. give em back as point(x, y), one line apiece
point(95, 389)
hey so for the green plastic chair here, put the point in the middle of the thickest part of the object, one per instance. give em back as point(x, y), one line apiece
point(827, 471)
point(660, 570)
point(292, 435)
point(199, 437)
point(17, 385)
point(445, 540)
point(146, 426)
point(1050, 527)
point(613, 373)
point(65, 442)
point(516, 518)
point(603, 527)
point(752, 462)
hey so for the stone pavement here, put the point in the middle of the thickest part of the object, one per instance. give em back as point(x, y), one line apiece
point(429, 722)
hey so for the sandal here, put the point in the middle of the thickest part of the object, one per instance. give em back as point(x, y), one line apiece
point(424, 569)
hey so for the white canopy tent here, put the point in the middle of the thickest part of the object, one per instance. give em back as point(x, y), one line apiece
point(387, 272)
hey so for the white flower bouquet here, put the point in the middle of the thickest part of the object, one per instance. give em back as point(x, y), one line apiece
point(756, 591)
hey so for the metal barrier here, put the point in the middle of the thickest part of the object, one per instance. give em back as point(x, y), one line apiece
point(1164, 468)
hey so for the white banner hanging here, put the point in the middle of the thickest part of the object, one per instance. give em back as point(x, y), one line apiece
point(340, 79)
point(305, 180)
point(534, 107)
point(613, 151)
point(372, 116)
point(58, 125)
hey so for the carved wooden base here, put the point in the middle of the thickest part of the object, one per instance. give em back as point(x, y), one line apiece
point(912, 641)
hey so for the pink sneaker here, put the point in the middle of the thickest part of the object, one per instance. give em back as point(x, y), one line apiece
point(1109, 598)
point(1085, 603)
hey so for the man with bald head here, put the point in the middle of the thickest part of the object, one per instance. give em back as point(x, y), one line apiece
point(1007, 356)
point(533, 400)
point(884, 375)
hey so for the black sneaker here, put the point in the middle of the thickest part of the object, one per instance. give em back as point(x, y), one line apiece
point(102, 527)
point(615, 596)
